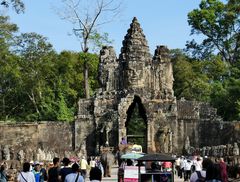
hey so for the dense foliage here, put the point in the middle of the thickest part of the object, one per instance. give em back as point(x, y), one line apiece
point(36, 83)
point(219, 24)
point(211, 70)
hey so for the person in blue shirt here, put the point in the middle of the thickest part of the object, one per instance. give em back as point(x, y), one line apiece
point(66, 168)
point(75, 176)
point(36, 171)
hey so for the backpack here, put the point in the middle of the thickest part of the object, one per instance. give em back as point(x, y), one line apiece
point(3, 177)
point(200, 177)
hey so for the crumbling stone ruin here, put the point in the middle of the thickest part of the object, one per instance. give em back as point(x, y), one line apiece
point(135, 88)
point(138, 81)
point(135, 79)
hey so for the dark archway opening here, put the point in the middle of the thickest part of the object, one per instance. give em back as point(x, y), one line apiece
point(136, 124)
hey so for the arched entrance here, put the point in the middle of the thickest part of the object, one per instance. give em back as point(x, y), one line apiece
point(136, 124)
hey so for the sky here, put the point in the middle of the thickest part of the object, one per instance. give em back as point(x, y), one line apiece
point(164, 22)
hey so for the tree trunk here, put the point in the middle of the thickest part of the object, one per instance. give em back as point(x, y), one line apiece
point(32, 98)
point(86, 84)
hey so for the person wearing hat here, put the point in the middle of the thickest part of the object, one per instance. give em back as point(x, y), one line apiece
point(66, 168)
point(43, 172)
point(36, 171)
point(75, 176)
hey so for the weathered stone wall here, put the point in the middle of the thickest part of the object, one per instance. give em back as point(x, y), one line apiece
point(200, 123)
point(34, 141)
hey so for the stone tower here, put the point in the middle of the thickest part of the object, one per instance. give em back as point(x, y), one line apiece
point(134, 80)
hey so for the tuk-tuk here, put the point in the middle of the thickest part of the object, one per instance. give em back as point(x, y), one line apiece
point(158, 168)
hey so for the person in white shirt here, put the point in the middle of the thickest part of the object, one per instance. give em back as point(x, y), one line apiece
point(195, 176)
point(26, 175)
point(177, 164)
point(198, 164)
point(182, 162)
point(187, 169)
point(75, 176)
point(83, 166)
point(92, 163)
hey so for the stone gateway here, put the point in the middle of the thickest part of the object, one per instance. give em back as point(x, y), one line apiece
point(135, 101)
point(138, 87)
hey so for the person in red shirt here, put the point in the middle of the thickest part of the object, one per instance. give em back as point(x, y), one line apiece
point(223, 169)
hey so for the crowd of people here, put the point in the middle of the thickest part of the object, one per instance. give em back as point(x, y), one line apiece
point(57, 171)
point(200, 169)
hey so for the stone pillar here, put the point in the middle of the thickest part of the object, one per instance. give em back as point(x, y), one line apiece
point(149, 137)
point(170, 144)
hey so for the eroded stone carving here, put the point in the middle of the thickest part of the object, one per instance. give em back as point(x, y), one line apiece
point(6, 153)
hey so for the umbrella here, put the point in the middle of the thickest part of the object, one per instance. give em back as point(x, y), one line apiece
point(157, 157)
point(131, 156)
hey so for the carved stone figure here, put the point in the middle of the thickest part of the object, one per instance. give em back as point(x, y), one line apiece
point(187, 145)
point(20, 155)
point(204, 151)
point(6, 153)
point(235, 149)
point(41, 155)
point(12, 153)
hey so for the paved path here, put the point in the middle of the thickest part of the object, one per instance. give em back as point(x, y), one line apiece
point(115, 178)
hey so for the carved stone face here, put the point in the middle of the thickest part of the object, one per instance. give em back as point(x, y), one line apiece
point(132, 77)
point(134, 74)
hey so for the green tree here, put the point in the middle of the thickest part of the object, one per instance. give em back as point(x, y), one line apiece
point(219, 24)
point(190, 81)
point(64, 112)
point(17, 5)
point(226, 98)
point(9, 71)
point(35, 56)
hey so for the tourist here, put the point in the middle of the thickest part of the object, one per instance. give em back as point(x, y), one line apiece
point(124, 141)
point(3, 175)
point(223, 170)
point(92, 162)
point(31, 165)
point(75, 176)
point(182, 162)
point(26, 175)
point(187, 169)
point(154, 167)
point(53, 172)
point(95, 175)
point(43, 172)
point(213, 173)
point(36, 171)
point(197, 164)
point(84, 166)
point(177, 164)
point(66, 168)
point(99, 164)
point(199, 176)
